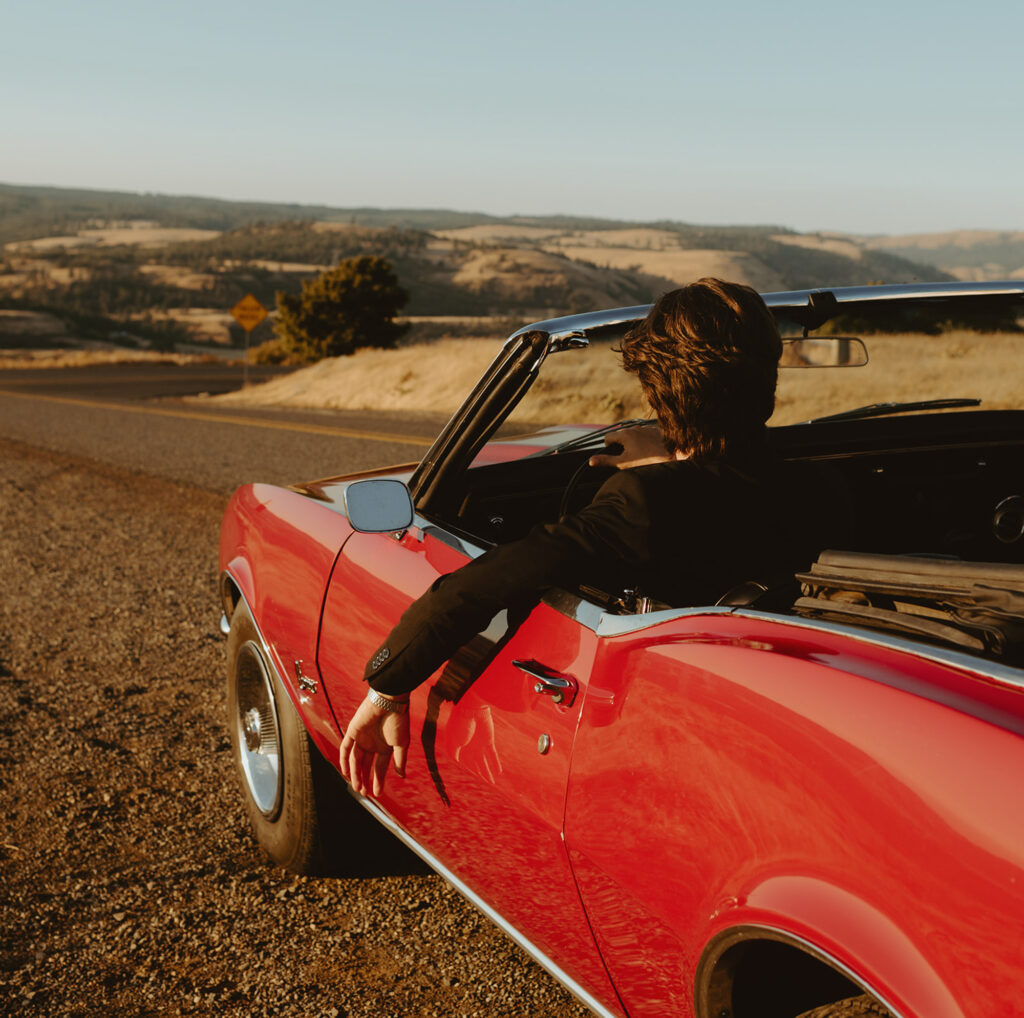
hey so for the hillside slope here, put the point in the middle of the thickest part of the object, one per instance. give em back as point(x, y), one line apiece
point(167, 269)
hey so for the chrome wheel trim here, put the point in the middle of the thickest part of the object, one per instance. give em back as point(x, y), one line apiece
point(257, 731)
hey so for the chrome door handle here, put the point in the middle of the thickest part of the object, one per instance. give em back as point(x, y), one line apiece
point(561, 688)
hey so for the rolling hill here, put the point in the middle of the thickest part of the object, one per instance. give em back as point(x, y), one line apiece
point(166, 269)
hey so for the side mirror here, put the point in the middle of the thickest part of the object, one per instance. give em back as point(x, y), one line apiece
point(378, 505)
point(824, 352)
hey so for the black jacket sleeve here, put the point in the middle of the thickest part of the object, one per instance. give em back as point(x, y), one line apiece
point(596, 545)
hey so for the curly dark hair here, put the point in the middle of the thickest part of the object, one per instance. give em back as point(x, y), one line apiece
point(707, 358)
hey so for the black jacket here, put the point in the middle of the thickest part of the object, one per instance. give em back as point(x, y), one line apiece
point(680, 533)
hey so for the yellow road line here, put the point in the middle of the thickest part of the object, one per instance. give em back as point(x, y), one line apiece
point(252, 422)
point(27, 383)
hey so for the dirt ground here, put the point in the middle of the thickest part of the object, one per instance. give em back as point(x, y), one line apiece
point(129, 882)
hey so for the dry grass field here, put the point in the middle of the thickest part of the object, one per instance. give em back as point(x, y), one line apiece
point(590, 387)
point(910, 367)
point(653, 252)
point(134, 233)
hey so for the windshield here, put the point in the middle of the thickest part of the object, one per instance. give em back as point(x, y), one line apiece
point(585, 386)
point(910, 368)
point(588, 387)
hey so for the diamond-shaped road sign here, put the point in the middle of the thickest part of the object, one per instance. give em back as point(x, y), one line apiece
point(249, 312)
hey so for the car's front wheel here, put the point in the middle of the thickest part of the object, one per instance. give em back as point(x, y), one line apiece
point(280, 770)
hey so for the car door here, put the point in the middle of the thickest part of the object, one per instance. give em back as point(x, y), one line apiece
point(492, 736)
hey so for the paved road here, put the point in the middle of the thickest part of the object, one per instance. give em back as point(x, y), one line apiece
point(139, 380)
point(137, 417)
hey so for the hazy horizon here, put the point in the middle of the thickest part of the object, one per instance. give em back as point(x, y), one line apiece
point(496, 215)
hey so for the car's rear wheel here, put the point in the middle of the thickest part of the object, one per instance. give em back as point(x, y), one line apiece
point(280, 770)
point(852, 1007)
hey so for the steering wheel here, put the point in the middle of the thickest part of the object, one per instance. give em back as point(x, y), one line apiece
point(565, 506)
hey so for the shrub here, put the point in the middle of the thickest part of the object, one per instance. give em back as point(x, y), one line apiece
point(346, 308)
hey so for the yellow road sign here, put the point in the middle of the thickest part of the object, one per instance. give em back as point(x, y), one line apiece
point(249, 312)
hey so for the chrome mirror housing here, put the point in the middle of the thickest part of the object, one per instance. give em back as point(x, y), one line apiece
point(378, 505)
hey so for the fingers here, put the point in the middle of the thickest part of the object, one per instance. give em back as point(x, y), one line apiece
point(355, 766)
point(632, 447)
point(370, 740)
point(611, 457)
point(613, 451)
point(401, 753)
point(366, 768)
point(380, 770)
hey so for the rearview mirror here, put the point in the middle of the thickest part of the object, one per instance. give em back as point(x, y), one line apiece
point(378, 505)
point(823, 352)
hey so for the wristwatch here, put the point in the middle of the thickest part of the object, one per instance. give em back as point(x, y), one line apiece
point(386, 703)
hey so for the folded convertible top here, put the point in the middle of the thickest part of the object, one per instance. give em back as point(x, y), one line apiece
point(974, 606)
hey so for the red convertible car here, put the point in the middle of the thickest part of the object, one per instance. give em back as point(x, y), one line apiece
point(793, 801)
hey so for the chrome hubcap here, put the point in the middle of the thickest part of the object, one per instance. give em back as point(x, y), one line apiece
point(251, 727)
point(257, 731)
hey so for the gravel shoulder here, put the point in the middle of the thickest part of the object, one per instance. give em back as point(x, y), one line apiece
point(130, 883)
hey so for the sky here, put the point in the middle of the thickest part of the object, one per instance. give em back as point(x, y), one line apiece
point(894, 117)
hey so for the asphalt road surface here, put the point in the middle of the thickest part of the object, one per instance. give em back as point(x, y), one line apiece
point(129, 882)
point(142, 418)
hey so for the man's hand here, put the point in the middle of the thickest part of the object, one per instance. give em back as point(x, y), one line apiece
point(641, 445)
point(373, 736)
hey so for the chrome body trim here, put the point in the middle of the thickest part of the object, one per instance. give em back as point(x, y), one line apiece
point(382, 816)
point(617, 625)
point(837, 965)
point(255, 624)
point(602, 622)
point(730, 938)
point(1003, 674)
point(605, 624)
point(225, 624)
point(584, 612)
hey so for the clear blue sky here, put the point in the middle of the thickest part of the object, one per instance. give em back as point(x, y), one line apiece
point(867, 117)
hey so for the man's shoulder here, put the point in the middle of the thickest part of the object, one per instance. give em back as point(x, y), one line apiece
point(670, 474)
point(638, 481)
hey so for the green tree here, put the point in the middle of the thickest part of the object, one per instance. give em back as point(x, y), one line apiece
point(349, 307)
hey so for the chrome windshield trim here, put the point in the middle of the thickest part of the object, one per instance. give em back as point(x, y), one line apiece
point(568, 331)
point(895, 292)
point(1000, 673)
point(384, 818)
point(581, 326)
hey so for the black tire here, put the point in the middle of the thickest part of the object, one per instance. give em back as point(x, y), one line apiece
point(852, 1007)
point(280, 770)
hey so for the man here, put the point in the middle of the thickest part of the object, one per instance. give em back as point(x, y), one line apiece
point(699, 504)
